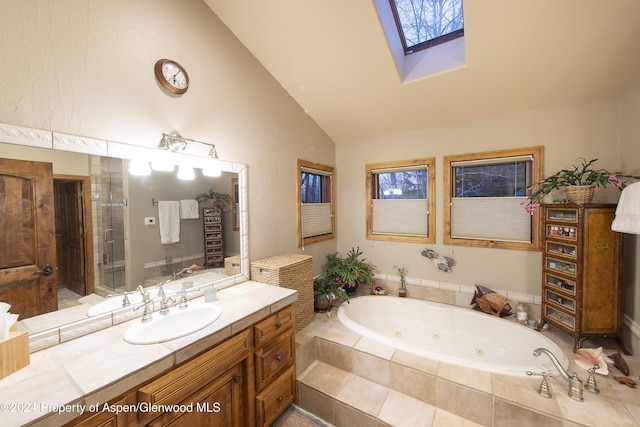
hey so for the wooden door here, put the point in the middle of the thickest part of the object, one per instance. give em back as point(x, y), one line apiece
point(27, 237)
point(70, 235)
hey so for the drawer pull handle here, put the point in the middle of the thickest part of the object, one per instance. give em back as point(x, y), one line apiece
point(236, 379)
point(278, 325)
point(278, 357)
point(280, 399)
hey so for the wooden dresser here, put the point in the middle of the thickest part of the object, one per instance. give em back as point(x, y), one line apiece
point(581, 271)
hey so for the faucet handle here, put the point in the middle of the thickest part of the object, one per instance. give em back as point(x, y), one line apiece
point(591, 385)
point(183, 300)
point(544, 390)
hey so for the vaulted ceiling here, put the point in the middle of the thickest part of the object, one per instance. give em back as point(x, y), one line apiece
point(332, 57)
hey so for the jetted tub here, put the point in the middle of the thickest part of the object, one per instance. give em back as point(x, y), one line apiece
point(450, 334)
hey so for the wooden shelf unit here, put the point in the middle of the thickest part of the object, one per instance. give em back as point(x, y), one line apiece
point(213, 237)
point(581, 271)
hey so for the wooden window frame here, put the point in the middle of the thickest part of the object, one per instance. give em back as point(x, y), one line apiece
point(538, 165)
point(329, 192)
point(430, 163)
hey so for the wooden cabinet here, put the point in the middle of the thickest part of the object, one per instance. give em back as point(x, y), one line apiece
point(274, 359)
point(108, 417)
point(246, 380)
point(208, 388)
point(213, 237)
point(581, 271)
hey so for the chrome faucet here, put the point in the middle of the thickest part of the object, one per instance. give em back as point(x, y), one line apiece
point(146, 300)
point(181, 272)
point(575, 383)
point(164, 304)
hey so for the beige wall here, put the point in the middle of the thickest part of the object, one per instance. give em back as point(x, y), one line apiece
point(86, 68)
point(589, 130)
point(630, 163)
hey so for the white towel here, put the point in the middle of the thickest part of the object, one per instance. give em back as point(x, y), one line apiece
point(169, 221)
point(627, 218)
point(189, 209)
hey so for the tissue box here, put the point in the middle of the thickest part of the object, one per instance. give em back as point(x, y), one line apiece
point(14, 352)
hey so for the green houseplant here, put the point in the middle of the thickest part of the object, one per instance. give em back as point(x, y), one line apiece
point(582, 175)
point(349, 271)
point(215, 199)
point(325, 292)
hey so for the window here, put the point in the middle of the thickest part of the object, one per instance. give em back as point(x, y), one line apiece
point(426, 23)
point(316, 219)
point(401, 201)
point(483, 193)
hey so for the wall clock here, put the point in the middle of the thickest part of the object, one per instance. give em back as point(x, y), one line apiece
point(171, 76)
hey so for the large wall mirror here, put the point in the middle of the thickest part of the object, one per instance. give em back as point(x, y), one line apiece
point(106, 238)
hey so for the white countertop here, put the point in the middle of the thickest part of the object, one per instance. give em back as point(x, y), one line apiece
point(90, 370)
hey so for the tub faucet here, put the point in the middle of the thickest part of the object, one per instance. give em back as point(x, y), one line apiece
point(181, 272)
point(575, 383)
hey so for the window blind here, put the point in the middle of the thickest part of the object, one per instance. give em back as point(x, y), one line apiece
point(316, 219)
point(490, 218)
point(400, 217)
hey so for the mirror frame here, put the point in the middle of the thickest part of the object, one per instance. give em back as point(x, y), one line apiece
point(196, 158)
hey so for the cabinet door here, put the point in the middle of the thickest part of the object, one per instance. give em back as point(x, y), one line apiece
point(112, 418)
point(218, 404)
point(601, 274)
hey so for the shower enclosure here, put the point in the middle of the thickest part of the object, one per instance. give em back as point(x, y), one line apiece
point(109, 242)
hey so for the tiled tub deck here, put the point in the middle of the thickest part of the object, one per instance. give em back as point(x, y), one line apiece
point(350, 380)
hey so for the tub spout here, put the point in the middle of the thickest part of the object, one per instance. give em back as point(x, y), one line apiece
point(575, 383)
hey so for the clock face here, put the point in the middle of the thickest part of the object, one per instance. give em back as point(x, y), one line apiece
point(172, 76)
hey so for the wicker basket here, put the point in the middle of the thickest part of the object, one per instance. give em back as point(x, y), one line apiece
point(290, 271)
point(579, 194)
point(232, 265)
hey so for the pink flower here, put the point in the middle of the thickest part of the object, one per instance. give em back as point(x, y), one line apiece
point(530, 207)
point(619, 181)
point(594, 189)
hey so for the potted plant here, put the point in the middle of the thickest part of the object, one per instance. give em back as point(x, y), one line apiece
point(325, 291)
point(580, 182)
point(402, 272)
point(349, 271)
point(215, 199)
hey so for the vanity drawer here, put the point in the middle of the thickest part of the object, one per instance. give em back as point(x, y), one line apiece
point(274, 358)
point(271, 402)
point(183, 381)
point(273, 326)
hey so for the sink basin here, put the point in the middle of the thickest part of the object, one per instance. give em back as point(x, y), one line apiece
point(176, 324)
point(114, 303)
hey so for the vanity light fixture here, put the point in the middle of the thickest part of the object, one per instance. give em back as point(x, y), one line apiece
point(174, 143)
point(212, 167)
point(162, 166)
point(139, 167)
point(186, 173)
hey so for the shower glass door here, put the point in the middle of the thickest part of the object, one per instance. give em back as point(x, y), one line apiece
point(111, 264)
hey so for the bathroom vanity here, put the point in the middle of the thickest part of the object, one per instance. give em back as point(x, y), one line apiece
point(238, 371)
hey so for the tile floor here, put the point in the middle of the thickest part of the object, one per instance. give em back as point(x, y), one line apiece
point(347, 380)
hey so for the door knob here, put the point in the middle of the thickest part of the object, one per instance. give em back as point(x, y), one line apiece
point(47, 270)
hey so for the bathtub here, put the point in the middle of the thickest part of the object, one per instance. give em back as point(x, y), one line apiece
point(450, 334)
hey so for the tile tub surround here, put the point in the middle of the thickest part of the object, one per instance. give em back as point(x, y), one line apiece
point(98, 367)
point(346, 379)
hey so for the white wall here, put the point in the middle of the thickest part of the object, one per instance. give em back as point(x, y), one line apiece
point(587, 130)
point(86, 68)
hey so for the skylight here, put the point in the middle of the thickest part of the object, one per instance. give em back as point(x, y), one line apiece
point(426, 37)
point(426, 23)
